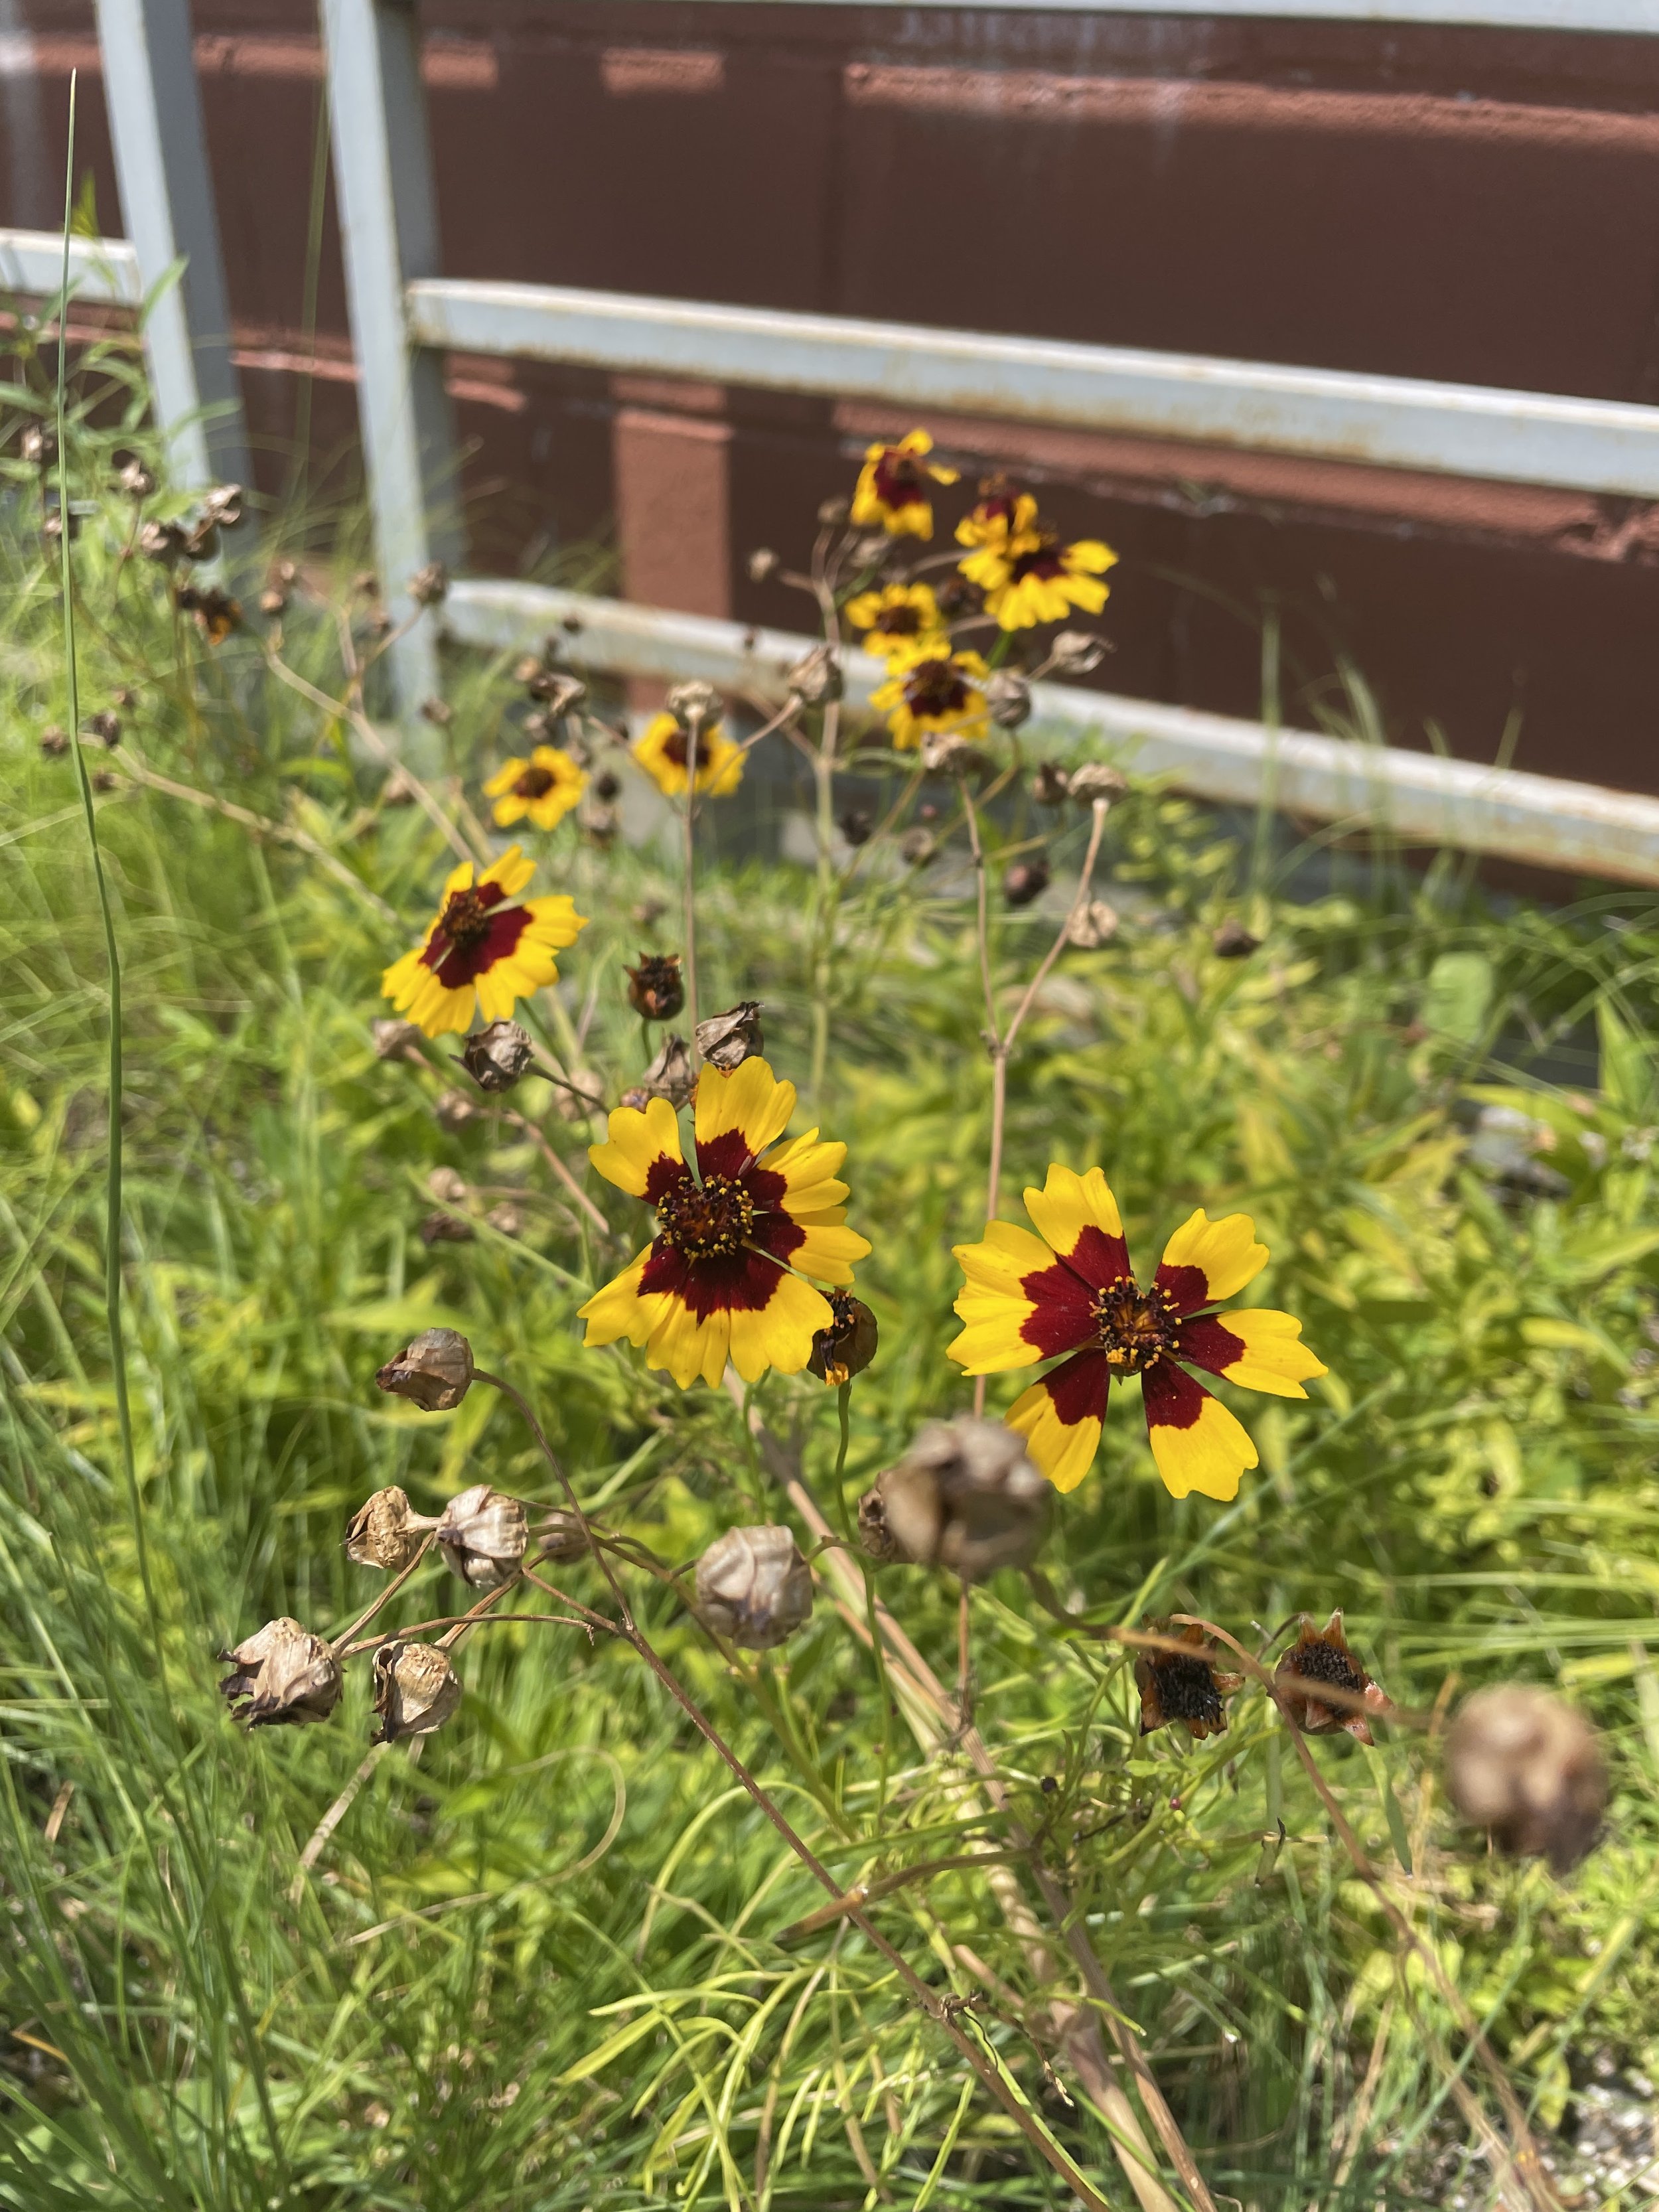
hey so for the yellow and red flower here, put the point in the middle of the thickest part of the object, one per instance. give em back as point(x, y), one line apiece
point(897, 617)
point(725, 1276)
point(1026, 574)
point(894, 491)
point(930, 689)
point(663, 749)
point(481, 951)
point(545, 788)
point(1069, 1291)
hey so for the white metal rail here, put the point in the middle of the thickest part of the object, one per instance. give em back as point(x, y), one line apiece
point(1637, 16)
point(404, 313)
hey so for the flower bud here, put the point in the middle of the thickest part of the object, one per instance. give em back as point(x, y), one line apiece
point(848, 1344)
point(1232, 941)
point(1320, 1656)
point(1074, 652)
point(1008, 697)
point(1050, 785)
point(1097, 780)
point(761, 563)
point(282, 1676)
point(1026, 881)
point(416, 1690)
point(428, 585)
point(695, 702)
point(726, 1040)
point(384, 1533)
point(396, 1040)
point(655, 990)
point(754, 1588)
point(483, 1534)
point(1092, 925)
point(1525, 1766)
point(1183, 1686)
point(857, 825)
point(815, 679)
point(670, 1076)
point(436, 1370)
point(965, 1496)
point(497, 1056)
point(137, 481)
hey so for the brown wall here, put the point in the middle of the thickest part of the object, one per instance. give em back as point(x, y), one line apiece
point(1473, 205)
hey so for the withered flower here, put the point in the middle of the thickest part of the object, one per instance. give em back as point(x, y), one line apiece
point(1097, 780)
point(446, 1229)
point(106, 726)
point(1318, 1657)
point(438, 712)
point(1050, 785)
point(694, 703)
point(217, 613)
point(54, 741)
point(558, 1537)
point(452, 1110)
point(282, 1676)
point(726, 1040)
point(943, 752)
point(1232, 941)
point(816, 679)
point(1075, 653)
point(429, 585)
point(483, 1534)
point(599, 823)
point(384, 1532)
point(832, 512)
point(1184, 1685)
point(136, 480)
point(506, 1218)
point(848, 1344)
point(754, 1588)
point(1026, 881)
point(857, 825)
point(396, 1040)
point(163, 541)
point(416, 1690)
point(105, 780)
point(39, 446)
point(670, 1076)
point(123, 697)
point(965, 1496)
point(559, 690)
point(917, 848)
point(447, 1187)
point(876, 1538)
point(1526, 1766)
point(1092, 925)
point(761, 563)
point(222, 506)
point(655, 990)
point(497, 1056)
point(436, 1370)
point(958, 598)
point(1008, 698)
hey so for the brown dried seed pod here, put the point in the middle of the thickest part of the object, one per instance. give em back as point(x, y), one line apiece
point(136, 480)
point(1050, 785)
point(507, 1218)
point(453, 1109)
point(54, 741)
point(656, 990)
point(1075, 653)
point(1318, 1658)
point(670, 1076)
point(1008, 697)
point(497, 1056)
point(106, 726)
point(1525, 1766)
point(1097, 780)
point(917, 848)
point(1092, 925)
point(874, 1534)
point(282, 1676)
point(857, 825)
point(445, 1229)
point(761, 564)
point(848, 1344)
point(558, 1537)
point(384, 1532)
point(695, 702)
point(434, 1370)
point(447, 1187)
point(416, 1690)
point(438, 712)
point(1232, 941)
point(1183, 1686)
point(754, 1588)
point(428, 585)
point(481, 1533)
point(726, 1040)
point(816, 679)
point(163, 541)
point(396, 1040)
point(1025, 882)
point(966, 1497)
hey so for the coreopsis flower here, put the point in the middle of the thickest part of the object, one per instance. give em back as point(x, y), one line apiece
point(1028, 576)
point(282, 1676)
point(481, 952)
point(1070, 1290)
point(896, 618)
point(663, 750)
point(1184, 1685)
point(894, 491)
point(544, 788)
point(724, 1276)
point(931, 690)
point(754, 1588)
point(1001, 520)
point(1319, 1658)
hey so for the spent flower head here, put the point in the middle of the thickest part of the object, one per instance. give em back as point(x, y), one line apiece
point(384, 1532)
point(497, 1056)
point(726, 1040)
point(1320, 1659)
point(481, 1533)
point(754, 1588)
point(416, 1690)
point(434, 1371)
point(965, 1496)
point(1526, 1766)
point(282, 1676)
point(656, 989)
point(1184, 1685)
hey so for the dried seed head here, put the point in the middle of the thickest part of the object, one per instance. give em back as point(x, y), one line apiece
point(106, 726)
point(438, 712)
point(125, 697)
point(497, 1056)
point(136, 480)
point(1075, 653)
point(452, 1110)
point(1092, 925)
point(1232, 941)
point(1026, 881)
point(445, 1229)
point(416, 1690)
point(39, 446)
point(761, 563)
point(283, 1674)
point(561, 692)
point(1008, 697)
point(816, 679)
point(605, 785)
point(857, 825)
point(876, 1538)
point(599, 823)
point(396, 1040)
point(966, 1497)
point(105, 780)
point(694, 704)
point(221, 508)
point(848, 1344)
point(384, 1532)
point(655, 990)
point(726, 1040)
point(1097, 780)
point(54, 741)
point(505, 1218)
point(1050, 785)
point(436, 1370)
point(428, 585)
point(483, 1534)
point(162, 541)
point(527, 667)
point(215, 613)
point(670, 1076)
point(917, 848)
point(945, 753)
point(1183, 1686)
point(447, 1187)
point(832, 512)
point(558, 1537)
point(754, 1588)
point(1524, 1765)
point(1321, 1658)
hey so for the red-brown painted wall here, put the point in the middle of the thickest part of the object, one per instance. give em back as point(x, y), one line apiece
point(1473, 205)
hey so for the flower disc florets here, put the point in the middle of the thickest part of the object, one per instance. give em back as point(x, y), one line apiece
point(705, 1219)
point(1136, 1327)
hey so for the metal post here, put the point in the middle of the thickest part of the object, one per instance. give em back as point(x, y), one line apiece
point(389, 233)
point(166, 195)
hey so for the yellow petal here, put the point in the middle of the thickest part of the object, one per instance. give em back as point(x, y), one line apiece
point(1069, 1203)
point(1225, 1252)
point(1274, 1359)
point(1065, 1455)
point(750, 1099)
point(1209, 1457)
point(618, 1310)
point(781, 1334)
point(636, 1142)
point(511, 872)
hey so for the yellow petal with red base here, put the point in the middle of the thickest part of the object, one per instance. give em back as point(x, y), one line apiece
point(637, 1141)
point(511, 872)
point(781, 1334)
point(689, 1347)
point(829, 1251)
point(991, 1302)
point(1069, 1203)
point(810, 1170)
point(1256, 1347)
point(618, 1310)
point(749, 1100)
point(1216, 1258)
point(1060, 1418)
point(1197, 1444)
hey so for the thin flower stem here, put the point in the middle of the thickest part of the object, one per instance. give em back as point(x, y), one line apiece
point(983, 2063)
point(344, 1639)
point(559, 1166)
point(317, 1843)
point(472, 1619)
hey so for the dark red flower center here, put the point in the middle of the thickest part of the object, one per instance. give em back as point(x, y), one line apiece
point(1320, 1659)
point(465, 920)
point(1043, 560)
point(1135, 1327)
point(900, 621)
point(998, 508)
point(935, 687)
point(675, 748)
point(535, 783)
point(704, 1220)
point(900, 481)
